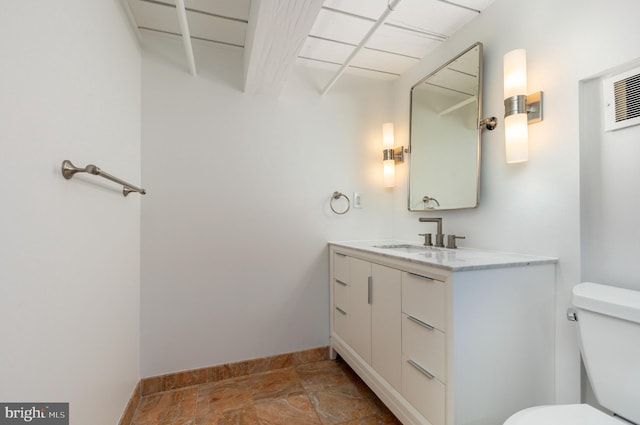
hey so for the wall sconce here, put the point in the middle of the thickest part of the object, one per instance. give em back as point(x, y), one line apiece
point(520, 109)
point(390, 155)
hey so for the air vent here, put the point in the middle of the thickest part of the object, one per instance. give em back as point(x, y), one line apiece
point(622, 100)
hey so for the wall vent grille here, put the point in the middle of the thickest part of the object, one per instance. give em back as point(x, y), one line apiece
point(622, 100)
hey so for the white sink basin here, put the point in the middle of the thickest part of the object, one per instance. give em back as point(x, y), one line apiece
point(408, 248)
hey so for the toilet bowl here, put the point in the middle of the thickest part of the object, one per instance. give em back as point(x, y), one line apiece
point(564, 414)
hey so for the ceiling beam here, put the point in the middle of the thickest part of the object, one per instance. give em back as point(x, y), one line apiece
point(275, 35)
point(186, 36)
point(381, 20)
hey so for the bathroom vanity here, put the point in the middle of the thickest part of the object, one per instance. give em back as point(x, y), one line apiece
point(445, 336)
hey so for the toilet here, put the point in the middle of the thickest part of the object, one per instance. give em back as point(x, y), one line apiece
point(608, 320)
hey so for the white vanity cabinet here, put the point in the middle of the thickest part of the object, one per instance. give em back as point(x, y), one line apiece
point(445, 337)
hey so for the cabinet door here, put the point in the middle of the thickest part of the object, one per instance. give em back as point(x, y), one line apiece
point(358, 335)
point(386, 324)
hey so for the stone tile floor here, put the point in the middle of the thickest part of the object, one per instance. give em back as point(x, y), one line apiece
point(321, 393)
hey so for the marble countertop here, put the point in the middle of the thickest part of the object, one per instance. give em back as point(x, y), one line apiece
point(460, 259)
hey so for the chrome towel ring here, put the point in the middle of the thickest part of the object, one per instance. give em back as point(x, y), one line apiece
point(338, 195)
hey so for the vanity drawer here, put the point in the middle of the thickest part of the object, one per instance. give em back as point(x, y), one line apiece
point(341, 307)
point(423, 298)
point(425, 346)
point(426, 394)
point(341, 321)
point(341, 267)
point(340, 294)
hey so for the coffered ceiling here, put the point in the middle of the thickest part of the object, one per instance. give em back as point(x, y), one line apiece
point(276, 34)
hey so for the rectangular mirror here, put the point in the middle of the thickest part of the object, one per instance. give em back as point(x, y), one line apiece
point(444, 144)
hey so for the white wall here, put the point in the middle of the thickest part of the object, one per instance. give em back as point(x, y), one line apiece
point(236, 223)
point(610, 204)
point(532, 207)
point(69, 250)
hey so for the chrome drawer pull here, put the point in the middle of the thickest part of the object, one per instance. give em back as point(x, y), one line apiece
point(420, 322)
point(341, 310)
point(341, 282)
point(422, 277)
point(341, 254)
point(370, 290)
point(422, 370)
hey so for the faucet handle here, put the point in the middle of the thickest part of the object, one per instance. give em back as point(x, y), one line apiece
point(427, 239)
point(451, 241)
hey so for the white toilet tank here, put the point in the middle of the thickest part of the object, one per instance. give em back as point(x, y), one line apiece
point(609, 333)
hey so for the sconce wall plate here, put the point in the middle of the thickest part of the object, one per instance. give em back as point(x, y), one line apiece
point(534, 107)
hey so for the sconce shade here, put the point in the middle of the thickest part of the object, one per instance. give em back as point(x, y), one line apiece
point(516, 134)
point(515, 73)
point(389, 173)
point(389, 164)
point(387, 136)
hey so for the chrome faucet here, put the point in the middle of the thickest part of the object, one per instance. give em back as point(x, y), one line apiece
point(439, 234)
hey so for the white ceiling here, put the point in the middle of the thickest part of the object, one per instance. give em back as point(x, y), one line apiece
point(316, 33)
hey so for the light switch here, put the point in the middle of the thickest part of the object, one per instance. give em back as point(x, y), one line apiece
point(357, 200)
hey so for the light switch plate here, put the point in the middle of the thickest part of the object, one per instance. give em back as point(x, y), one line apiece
point(357, 200)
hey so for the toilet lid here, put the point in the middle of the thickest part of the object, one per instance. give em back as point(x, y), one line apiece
point(566, 414)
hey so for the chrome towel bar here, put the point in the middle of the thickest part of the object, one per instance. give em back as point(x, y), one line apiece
point(69, 170)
